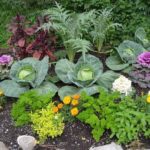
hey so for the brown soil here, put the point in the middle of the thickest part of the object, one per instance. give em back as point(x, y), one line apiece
point(76, 135)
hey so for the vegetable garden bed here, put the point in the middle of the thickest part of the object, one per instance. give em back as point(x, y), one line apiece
point(61, 83)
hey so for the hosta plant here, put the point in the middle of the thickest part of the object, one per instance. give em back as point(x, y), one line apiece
point(140, 73)
point(87, 75)
point(70, 26)
point(25, 74)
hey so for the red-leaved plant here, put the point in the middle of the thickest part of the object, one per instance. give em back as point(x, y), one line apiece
point(27, 41)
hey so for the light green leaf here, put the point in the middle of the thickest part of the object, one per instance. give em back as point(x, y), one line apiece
point(47, 87)
point(107, 78)
point(90, 90)
point(42, 69)
point(115, 63)
point(12, 89)
point(67, 90)
point(62, 68)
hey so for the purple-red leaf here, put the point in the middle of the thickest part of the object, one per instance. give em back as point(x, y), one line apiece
point(21, 42)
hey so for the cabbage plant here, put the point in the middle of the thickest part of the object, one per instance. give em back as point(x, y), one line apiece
point(25, 74)
point(126, 55)
point(86, 75)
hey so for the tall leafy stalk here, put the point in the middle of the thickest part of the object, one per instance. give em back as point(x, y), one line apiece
point(101, 25)
point(71, 27)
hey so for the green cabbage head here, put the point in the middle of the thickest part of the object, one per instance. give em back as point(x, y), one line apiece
point(30, 71)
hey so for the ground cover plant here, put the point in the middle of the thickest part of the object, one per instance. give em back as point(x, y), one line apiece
point(122, 116)
point(66, 84)
point(28, 102)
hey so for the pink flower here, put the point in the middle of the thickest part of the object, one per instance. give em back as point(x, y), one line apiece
point(6, 60)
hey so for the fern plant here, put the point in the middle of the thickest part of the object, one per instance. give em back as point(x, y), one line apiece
point(101, 25)
point(71, 28)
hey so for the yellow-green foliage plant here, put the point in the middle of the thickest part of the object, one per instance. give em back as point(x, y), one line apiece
point(47, 123)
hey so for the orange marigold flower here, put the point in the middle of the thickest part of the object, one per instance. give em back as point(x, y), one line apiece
point(60, 105)
point(74, 102)
point(55, 109)
point(148, 99)
point(67, 100)
point(74, 111)
point(76, 96)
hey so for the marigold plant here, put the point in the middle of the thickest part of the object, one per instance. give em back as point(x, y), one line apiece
point(76, 96)
point(74, 102)
point(74, 111)
point(55, 109)
point(148, 99)
point(67, 100)
point(60, 105)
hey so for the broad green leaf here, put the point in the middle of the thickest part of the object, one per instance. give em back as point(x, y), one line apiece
point(42, 69)
point(107, 78)
point(115, 63)
point(12, 89)
point(47, 87)
point(140, 34)
point(90, 90)
point(67, 90)
point(62, 68)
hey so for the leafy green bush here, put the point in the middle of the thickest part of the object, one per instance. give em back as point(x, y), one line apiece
point(123, 116)
point(28, 102)
point(47, 123)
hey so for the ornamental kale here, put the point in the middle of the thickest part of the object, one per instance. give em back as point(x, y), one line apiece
point(5, 63)
point(141, 70)
point(6, 60)
point(144, 59)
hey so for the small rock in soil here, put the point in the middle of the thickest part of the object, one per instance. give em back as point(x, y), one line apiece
point(2, 146)
point(111, 146)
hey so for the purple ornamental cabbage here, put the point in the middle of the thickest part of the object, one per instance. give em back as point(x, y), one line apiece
point(144, 59)
point(6, 60)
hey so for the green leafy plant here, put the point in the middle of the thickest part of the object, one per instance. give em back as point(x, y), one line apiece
point(126, 55)
point(101, 25)
point(141, 36)
point(28, 102)
point(127, 51)
point(25, 73)
point(123, 116)
point(87, 75)
point(70, 26)
point(46, 123)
